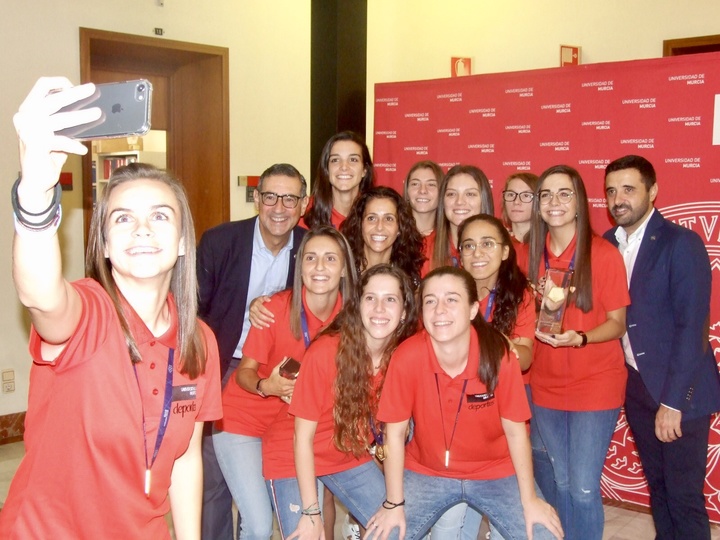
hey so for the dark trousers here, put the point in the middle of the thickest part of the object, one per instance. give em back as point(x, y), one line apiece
point(675, 471)
point(217, 513)
point(217, 518)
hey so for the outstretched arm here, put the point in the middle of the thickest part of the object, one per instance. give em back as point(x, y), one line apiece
point(53, 304)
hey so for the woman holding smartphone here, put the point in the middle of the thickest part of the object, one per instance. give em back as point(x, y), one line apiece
point(456, 379)
point(578, 376)
point(258, 394)
point(464, 192)
point(380, 229)
point(345, 170)
point(335, 405)
point(123, 374)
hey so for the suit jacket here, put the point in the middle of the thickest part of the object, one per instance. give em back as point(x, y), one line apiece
point(667, 321)
point(224, 256)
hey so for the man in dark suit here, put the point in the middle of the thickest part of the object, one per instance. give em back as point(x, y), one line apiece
point(236, 263)
point(673, 382)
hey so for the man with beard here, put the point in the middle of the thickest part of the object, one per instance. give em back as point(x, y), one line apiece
point(673, 383)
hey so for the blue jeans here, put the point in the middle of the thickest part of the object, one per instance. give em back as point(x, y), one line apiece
point(361, 489)
point(542, 468)
point(428, 497)
point(459, 522)
point(240, 459)
point(577, 443)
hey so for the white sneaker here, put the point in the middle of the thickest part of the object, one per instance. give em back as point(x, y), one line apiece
point(350, 531)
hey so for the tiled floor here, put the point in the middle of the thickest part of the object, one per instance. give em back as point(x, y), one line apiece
point(622, 522)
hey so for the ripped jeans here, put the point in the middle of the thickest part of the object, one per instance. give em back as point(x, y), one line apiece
point(577, 443)
point(361, 489)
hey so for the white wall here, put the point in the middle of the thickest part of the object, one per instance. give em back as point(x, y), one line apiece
point(269, 42)
point(415, 39)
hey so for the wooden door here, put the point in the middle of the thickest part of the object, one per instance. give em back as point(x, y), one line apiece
point(190, 102)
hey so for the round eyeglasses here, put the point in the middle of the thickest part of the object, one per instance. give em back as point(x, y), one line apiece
point(269, 198)
point(564, 196)
point(486, 245)
point(525, 196)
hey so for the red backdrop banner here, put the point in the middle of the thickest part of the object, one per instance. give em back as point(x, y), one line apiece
point(667, 110)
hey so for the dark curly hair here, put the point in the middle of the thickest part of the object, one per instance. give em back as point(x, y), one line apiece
point(407, 250)
point(356, 397)
point(493, 345)
point(322, 198)
point(511, 281)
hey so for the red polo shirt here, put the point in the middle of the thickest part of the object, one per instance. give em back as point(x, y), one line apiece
point(591, 378)
point(313, 399)
point(524, 324)
point(82, 476)
point(246, 413)
point(415, 385)
point(336, 218)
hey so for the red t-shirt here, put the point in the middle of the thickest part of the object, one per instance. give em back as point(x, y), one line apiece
point(415, 384)
point(336, 218)
point(522, 252)
point(82, 476)
point(313, 399)
point(246, 413)
point(525, 323)
point(592, 378)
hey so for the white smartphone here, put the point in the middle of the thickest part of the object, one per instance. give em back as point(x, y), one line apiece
point(125, 106)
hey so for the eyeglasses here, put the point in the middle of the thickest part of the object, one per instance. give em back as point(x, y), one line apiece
point(525, 196)
point(486, 245)
point(564, 196)
point(269, 198)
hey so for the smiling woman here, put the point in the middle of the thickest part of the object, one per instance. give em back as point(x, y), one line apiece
point(464, 192)
point(335, 404)
point(98, 341)
point(465, 394)
point(253, 441)
point(381, 229)
point(578, 376)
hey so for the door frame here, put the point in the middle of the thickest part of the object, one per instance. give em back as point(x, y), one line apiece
point(191, 97)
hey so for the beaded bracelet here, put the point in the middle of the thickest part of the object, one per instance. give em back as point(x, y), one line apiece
point(387, 505)
point(50, 213)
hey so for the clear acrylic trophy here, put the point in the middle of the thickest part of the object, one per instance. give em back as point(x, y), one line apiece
point(554, 301)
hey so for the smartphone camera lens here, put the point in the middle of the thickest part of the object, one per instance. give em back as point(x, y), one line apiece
point(141, 87)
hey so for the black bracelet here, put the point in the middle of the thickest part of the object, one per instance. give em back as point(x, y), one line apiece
point(387, 505)
point(583, 337)
point(20, 212)
point(310, 513)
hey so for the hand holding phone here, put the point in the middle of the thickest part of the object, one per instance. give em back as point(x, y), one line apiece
point(125, 111)
point(289, 368)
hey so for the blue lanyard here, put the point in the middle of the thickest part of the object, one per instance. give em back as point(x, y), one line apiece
point(491, 301)
point(547, 259)
point(304, 324)
point(377, 433)
point(164, 420)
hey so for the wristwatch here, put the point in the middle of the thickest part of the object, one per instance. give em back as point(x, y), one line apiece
point(257, 388)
